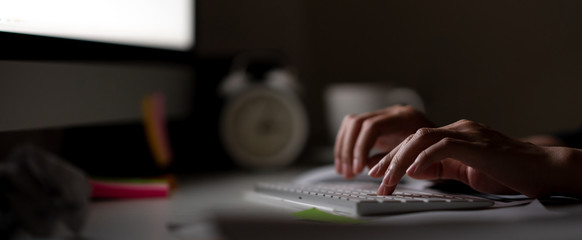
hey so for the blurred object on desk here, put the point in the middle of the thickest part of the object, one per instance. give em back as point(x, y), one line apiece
point(121, 188)
point(156, 130)
point(264, 123)
point(39, 191)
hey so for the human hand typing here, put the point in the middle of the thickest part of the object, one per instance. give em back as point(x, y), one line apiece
point(383, 130)
point(467, 151)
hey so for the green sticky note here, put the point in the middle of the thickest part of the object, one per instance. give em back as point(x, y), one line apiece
point(318, 215)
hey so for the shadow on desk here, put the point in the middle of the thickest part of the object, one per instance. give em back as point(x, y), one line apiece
point(558, 227)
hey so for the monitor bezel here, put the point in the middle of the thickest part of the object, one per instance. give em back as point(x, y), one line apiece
point(18, 46)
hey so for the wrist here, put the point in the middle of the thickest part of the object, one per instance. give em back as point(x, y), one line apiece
point(566, 171)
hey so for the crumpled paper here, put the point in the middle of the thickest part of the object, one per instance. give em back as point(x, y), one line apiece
point(38, 191)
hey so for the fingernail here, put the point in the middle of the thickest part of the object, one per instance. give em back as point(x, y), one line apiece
point(374, 171)
point(412, 169)
point(347, 169)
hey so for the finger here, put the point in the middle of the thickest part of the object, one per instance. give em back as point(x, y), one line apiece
point(338, 165)
point(462, 150)
point(447, 168)
point(422, 139)
point(385, 189)
point(342, 158)
point(448, 142)
point(369, 134)
point(338, 146)
point(456, 170)
point(353, 155)
point(374, 124)
point(379, 169)
point(350, 131)
point(374, 160)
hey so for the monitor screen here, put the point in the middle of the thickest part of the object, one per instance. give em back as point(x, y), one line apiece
point(83, 62)
point(164, 24)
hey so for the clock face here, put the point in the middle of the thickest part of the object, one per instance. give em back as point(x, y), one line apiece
point(264, 128)
point(266, 125)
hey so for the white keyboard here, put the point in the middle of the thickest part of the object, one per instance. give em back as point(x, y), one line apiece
point(360, 199)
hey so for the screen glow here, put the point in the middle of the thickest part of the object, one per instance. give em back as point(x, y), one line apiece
point(167, 24)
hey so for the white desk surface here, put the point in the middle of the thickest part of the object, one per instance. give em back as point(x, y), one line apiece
point(186, 213)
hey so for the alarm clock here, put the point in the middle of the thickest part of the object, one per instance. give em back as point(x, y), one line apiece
point(263, 122)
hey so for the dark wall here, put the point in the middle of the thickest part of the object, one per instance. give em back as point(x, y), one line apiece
point(513, 65)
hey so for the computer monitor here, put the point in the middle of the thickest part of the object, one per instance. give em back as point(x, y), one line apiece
point(74, 74)
point(70, 63)
point(149, 23)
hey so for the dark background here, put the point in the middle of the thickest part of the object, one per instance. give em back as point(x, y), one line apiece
point(513, 65)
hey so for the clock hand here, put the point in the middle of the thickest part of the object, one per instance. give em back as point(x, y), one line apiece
point(267, 122)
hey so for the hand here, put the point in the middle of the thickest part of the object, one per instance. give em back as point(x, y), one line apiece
point(480, 157)
point(383, 129)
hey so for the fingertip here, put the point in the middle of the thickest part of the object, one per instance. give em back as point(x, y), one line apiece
point(338, 166)
point(358, 166)
point(381, 189)
point(347, 170)
point(385, 190)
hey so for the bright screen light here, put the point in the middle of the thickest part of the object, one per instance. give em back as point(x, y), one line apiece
point(167, 24)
